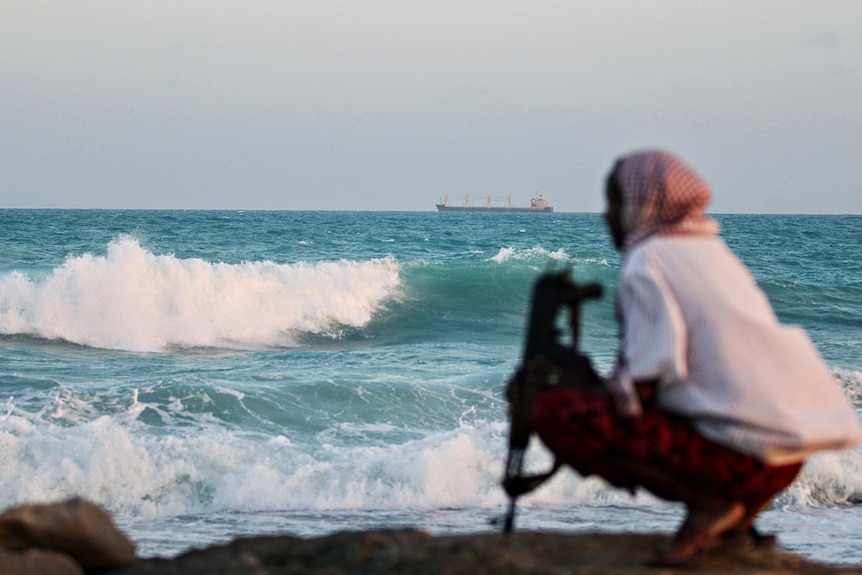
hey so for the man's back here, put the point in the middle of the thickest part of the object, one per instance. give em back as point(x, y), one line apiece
point(724, 360)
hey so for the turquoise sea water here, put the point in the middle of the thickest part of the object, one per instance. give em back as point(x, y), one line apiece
point(204, 375)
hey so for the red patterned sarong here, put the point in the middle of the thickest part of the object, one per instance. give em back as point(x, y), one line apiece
point(583, 430)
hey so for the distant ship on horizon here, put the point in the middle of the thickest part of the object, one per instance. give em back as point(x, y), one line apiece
point(537, 204)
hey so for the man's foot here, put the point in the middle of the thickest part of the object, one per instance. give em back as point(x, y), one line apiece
point(700, 532)
point(750, 535)
point(744, 532)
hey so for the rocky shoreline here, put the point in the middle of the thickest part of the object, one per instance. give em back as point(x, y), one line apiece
point(76, 537)
point(413, 552)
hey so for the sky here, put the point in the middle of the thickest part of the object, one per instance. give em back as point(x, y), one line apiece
point(396, 104)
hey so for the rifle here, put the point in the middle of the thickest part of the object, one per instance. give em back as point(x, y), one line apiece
point(547, 362)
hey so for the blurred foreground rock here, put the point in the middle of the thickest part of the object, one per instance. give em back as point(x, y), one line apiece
point(69, 537)
point(411, 552)
point(76, 537)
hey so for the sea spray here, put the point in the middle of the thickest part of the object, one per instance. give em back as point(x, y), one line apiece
point(134, 300)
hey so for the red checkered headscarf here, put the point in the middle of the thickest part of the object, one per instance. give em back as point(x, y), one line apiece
point(661, 195)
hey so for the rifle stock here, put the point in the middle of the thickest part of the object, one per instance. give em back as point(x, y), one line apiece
point(546, 362)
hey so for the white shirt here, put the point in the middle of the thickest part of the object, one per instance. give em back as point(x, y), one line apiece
point(694, 319)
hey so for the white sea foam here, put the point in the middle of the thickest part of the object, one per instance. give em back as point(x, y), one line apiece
point(537, 252)
point(134, 300)
point(851, 381)
point(196, 464)
point(210, 468)
point(828, 479)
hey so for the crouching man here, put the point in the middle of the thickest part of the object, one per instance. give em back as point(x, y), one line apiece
point(712, 401)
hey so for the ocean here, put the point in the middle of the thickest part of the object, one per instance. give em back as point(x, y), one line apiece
point(204, 375)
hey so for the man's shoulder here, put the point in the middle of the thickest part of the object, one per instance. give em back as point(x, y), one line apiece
point(680, 256)
point(677, 245)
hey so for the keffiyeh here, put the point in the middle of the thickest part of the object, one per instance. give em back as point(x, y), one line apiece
point(661, 195)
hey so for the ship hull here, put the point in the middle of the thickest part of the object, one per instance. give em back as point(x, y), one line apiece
point(445, 208)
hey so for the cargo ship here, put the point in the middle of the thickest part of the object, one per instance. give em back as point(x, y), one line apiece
point(537, 204)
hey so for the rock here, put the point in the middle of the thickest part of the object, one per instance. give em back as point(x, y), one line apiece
point(75, 537)
point(413, 552)
point(38, 562)
point(75, 527)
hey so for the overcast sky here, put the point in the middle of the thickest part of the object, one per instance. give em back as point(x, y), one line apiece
point(393, 104)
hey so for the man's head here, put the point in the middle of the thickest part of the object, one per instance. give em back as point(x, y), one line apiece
point(614, 208)
point(654, 192)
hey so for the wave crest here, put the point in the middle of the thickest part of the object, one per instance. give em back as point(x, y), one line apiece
point(537, 252)
point(134, 300)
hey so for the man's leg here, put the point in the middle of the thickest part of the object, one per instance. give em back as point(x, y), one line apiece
point(707, 519)
point(722, 490)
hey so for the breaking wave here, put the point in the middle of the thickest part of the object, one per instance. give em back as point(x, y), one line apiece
point(134, 300)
